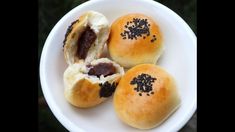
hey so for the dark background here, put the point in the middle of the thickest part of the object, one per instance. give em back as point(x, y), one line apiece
point(51, 11)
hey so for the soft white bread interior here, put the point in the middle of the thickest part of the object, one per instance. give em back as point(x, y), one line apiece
point(95, 21)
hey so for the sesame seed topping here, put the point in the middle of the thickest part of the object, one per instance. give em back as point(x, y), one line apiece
point(144, 83)
point(137, 28)
point(154, 38)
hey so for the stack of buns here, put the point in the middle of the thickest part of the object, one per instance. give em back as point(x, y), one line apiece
point(146, 94)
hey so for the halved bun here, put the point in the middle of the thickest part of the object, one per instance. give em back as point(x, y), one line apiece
point(85, 90)
point(91, 24)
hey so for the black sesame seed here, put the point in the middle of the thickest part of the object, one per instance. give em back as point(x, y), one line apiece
point(152, 41)
point(154, 36)
point(140, 94)
point(144, 83)
point(152, 92)
point(137, 29)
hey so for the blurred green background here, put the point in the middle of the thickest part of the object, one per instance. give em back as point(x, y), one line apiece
point(51, 11)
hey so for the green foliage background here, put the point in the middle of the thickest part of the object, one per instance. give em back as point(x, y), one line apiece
point(50, 11)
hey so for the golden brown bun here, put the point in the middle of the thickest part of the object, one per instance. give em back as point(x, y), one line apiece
point(130, 52)
point(83, 90)
point(99, 24)
point(146, 111)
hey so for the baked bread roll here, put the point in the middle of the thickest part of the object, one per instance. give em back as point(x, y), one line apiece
point(135, 39)
point(87, 85)
point(145, 96)
point(86, 37)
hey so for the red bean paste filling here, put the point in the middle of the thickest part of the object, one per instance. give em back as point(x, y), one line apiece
point(87, 38)
point(104, 69)
point(107, 89)
point(137, 28)
point(144, 84)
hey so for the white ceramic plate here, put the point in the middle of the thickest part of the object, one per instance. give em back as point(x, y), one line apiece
point(179, 59)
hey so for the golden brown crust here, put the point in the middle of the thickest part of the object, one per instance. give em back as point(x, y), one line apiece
point(69, 29)
point(83, 90)
point(84, 94)
point(146, 111)
point(130, 52)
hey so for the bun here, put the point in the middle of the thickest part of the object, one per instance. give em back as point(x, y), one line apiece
point(86, 89)
point(135, 39)
point(86, 37)
point(145, 96)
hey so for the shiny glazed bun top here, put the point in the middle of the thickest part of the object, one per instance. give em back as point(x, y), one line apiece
point(135, 39)
point(145, 96)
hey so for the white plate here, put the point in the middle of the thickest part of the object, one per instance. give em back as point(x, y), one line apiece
point(179, 59)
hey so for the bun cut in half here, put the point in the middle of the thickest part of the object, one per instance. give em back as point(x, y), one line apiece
point(88, 85)
point(146, 96)
point(86, 37)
